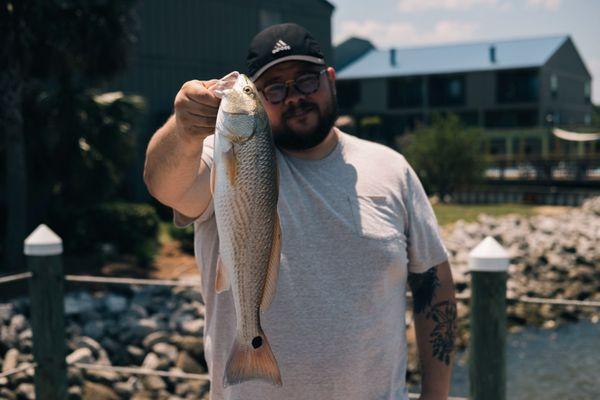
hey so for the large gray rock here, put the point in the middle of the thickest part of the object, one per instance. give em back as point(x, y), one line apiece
point(100, 376)
point(18, 323)
point(10, 360)
point(166, 350)
point(187, 363)
point(124, 389)
point(116, 303)
point(74, 393)
point(7, 310)
point(83, 355)
point(26, 391)
point(193, 327)
point(192, 344)
point(153, 383)
point(97, 391)
point(79, 303)
point(94, 329)
point(156, 337)
point(7, 394)
point(136, 354)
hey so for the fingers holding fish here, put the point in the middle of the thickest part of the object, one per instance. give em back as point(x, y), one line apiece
point(196, 109)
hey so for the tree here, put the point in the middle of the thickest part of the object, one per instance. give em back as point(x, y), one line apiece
point(68, 44)
point(446, 155)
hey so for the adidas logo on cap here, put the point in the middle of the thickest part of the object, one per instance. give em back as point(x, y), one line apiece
point(280, 46)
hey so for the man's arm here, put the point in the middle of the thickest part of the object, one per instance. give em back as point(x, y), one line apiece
point(434, 310)
point(173, 171)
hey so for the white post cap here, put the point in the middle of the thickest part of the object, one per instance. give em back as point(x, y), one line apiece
point(43, 242)
point(489, 256)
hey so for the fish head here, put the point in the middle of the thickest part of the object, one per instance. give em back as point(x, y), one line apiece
point(241, 110)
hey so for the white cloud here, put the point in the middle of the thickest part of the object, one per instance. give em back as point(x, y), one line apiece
point(398, 34)
point(550, 5)
point(426, 5)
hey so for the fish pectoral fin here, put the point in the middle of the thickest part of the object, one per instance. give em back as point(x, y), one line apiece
point(273, 268)
point(222, 280)
point(230, 164)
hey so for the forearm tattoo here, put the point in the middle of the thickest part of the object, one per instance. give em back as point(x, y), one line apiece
point(443, 313)
point(442, 336)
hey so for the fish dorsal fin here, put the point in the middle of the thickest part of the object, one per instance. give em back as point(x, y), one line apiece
point(273, 268)
point(222, 280)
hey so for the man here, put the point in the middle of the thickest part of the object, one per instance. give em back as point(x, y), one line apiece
point(356, 226)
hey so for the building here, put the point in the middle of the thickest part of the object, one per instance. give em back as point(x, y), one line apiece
point(516, 90)
point(189, 39)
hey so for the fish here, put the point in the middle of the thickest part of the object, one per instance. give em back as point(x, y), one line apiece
point(245, 189)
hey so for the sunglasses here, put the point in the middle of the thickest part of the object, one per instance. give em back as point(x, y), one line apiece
point(305, 84)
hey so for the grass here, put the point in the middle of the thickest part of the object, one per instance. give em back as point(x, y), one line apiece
point(450, 213)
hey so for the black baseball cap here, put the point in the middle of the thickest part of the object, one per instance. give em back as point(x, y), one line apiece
point(280, 43)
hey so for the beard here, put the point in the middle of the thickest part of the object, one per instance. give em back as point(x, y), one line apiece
point(285, 137)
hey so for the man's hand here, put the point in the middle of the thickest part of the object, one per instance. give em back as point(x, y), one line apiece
point(196, 109)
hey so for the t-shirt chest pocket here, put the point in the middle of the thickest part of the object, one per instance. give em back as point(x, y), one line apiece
point(374, 217)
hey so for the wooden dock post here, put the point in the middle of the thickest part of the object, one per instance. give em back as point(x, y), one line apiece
point(43, 249)
point(488, 263)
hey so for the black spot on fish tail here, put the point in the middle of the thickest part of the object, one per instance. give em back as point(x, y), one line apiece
point(257, 342)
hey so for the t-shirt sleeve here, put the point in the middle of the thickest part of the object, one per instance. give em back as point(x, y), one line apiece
point(180, 220)
point(424, 243)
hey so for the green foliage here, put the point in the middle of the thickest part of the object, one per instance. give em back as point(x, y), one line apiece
point(80, 160)
point(445, 155)
point(449, 213)
point(78, 150)
point(184, 236)
point(79, 40)
point(131, 228)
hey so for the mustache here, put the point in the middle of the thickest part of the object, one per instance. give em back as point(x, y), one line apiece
point(300, 107)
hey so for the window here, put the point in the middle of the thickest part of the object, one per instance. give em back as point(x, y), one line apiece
point(398, 124)
point(447, 90)
point(405, 92)
point(587, 92)
point(498, 146)
point(517, 86)
point(348, 94)
point(267, 18)
point(587, 119)
point(469, 117)
point(532, 146)
point(511, 118)
point(554, 86)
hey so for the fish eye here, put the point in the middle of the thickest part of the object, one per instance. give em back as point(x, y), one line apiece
point(247, 90)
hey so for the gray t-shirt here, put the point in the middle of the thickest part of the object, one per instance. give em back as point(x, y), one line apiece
point(353, 225)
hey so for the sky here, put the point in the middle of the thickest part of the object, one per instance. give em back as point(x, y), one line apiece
point(410, 23)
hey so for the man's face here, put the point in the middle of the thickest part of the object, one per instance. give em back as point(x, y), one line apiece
point(300, 121)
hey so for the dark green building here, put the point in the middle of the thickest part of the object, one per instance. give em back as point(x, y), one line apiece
point(183, 40)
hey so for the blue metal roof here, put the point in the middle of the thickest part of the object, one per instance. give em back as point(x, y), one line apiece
point(521, 53)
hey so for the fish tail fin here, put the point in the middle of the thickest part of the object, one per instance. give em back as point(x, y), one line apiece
point(251, 361)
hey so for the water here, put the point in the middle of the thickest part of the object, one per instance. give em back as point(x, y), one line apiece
point(546, 364)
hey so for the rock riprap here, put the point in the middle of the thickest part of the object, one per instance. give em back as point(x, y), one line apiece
point(158, 328)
